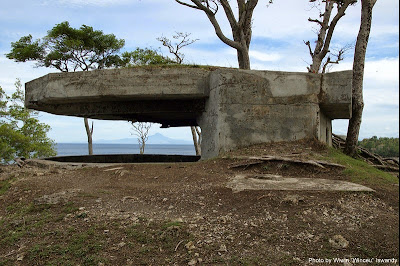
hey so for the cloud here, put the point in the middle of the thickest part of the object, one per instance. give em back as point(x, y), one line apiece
point(265, 57)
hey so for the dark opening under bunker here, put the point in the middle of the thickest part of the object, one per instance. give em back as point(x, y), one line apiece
point(125, 158)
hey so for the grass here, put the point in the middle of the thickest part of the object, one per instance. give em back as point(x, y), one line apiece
point(31, 222)
point(360, 171)
point(80, 247)
point(5, 185)
point(205, 67)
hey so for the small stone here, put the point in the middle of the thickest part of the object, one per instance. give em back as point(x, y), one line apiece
point(164, 199)
point(189, 245)
point(223, 248)
point(170, 207)
point(120, 245)
point(106, 231)
point(20, 257)
point(338, 242)
point(192, 262)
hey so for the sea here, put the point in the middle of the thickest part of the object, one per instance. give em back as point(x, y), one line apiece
point(69, 149)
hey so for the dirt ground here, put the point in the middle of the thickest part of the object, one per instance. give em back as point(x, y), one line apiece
point(185, 214)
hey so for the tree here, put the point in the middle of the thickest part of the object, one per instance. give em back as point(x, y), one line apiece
point(142, 57)
point(358, 77)
point(183, 40)
point(325, 34)
point(69, 49)
point(141, 130)
point(240, 25)
point(21, 133)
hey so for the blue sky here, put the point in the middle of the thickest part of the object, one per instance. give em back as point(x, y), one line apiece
point(278, 34)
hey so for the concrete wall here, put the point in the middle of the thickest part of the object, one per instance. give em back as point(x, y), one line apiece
point(250, 107)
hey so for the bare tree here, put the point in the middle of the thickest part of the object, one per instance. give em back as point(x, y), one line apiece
point(240, 24)
point(89, 133)
point(182, 40)
point(196, 134)
point(141, 130)
point(358, 77)
point(325, 34)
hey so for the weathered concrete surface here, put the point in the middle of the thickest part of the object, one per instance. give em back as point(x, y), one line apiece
point(233, 107)
point(248, 107)
point(169, 96)
point(275, 182)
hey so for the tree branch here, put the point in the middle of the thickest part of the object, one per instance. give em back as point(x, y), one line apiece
point(309, 48)
point(186, 4)
point(339, 15)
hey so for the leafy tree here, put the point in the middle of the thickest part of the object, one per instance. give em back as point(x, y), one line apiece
point(21, 133)
point(385, 147)
point(142, 57)
point(68, 49)
point(240, 24)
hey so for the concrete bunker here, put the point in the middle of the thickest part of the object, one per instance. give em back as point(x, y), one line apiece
point(234, 107)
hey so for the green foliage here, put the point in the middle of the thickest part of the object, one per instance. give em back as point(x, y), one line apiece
point(360, 171)
point(26, 50)
point(21, 133)
point(69, 49)
point(142, 57)
point(385, 147)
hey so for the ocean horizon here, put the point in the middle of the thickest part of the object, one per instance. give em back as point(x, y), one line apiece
point(70, 149)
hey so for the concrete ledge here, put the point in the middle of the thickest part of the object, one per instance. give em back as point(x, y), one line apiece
point(116, 84)
point(275, 182)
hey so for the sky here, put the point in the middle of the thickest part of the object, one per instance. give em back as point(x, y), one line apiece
point(279, 32)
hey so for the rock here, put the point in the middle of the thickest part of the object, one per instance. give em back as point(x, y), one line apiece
point(338, 242)
point(293, 199)
point(20, 257)
point(192, 262)
point(120, 245)
point(222, 248)
point(58, 197)
point(189, 245)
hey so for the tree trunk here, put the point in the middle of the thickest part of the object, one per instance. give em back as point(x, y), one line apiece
point(358, 76)
point(195, 141)
point(89, 133)
point(316, 65)
point(243, 59)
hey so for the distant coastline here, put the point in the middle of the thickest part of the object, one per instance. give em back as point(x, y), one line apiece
point(71, 149)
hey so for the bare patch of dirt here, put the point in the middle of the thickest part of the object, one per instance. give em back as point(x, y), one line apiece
point(184, 214)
